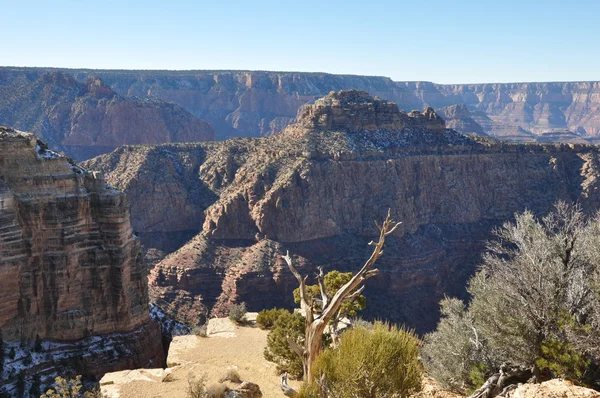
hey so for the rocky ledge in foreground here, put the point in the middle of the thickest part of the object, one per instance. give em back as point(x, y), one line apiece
point(229, 210)
point(73, 288)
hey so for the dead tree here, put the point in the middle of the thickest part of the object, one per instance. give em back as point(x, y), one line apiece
point(502, 382)
point(318, 319)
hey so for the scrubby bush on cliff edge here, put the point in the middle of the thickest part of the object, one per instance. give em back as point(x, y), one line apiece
point(266, 318)
point(381, 361)
point(534, 304)
point(288, 327)
point(237, 313)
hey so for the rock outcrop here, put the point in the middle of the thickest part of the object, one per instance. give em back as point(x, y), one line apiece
point(71, 268)
point(316, 188)
point(555, 388)
point(459, 118)
point(88, 118)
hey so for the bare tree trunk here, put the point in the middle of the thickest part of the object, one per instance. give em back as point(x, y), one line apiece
point(316, 322)
point(500, 382)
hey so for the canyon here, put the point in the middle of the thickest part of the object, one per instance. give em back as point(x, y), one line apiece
point(262, 103)
point(316, 189)
point(74, 288)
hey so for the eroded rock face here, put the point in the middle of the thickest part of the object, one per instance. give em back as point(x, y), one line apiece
point(89, 118)
point(533, 107)
point(459, 118)
point(70, 267)
point(354, 110)
point(316, 188)
point(253, 103)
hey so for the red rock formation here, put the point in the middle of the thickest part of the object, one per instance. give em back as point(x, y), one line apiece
point(316, 189)
point(90, 118)
point(70, 266)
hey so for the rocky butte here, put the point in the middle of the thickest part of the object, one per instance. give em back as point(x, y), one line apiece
point(88, 118)
point(316, 188)
point(73, 287)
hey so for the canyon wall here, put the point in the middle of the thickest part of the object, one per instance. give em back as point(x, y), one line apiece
point(88, 118)
point(531, 107)
point(71, 271)
point(259, 103)
point(316, 189)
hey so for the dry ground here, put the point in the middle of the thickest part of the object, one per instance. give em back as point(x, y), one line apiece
point(212, 356)
point(228, 347)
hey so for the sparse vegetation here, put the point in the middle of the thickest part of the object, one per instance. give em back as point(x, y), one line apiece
point(333, 280)
point(381, 361)
point(197, 388)
point(534, 304)
point(232, 375)
point(266, 318)
point(237, 313)
point(320, 313)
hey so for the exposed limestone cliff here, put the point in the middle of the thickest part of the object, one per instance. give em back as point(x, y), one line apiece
point(316, 189)
point(89, 118)
point(533, 107)
point(70, 266)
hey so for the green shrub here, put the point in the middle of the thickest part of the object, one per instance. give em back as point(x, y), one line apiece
point(237, 313)
point(379, 362)
point(266, 318)
point(562, 359)
point(289, 326)
point(332, 281)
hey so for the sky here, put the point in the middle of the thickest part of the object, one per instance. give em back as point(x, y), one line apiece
point(453, 41)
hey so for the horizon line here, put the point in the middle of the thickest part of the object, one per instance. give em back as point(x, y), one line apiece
point(288, 71)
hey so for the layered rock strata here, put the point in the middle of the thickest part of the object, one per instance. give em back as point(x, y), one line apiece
point(459, 118)
point(70, 266)
point(252, 103)
point(532, 107)
point(88, 118)
point(316, 188)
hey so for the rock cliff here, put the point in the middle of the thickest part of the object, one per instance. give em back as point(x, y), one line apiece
point(459, 118)
point(316, 188)
point(88, 118)
point(71, 268)
point(254, 103)
point(532, 107)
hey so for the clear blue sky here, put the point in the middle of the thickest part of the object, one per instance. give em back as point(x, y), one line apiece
point(454, 41)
